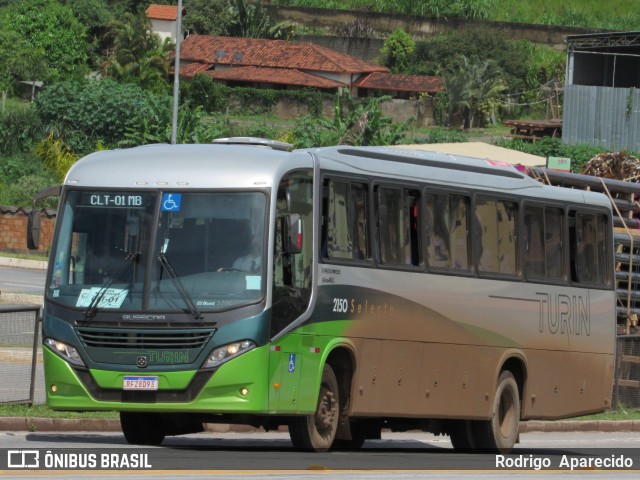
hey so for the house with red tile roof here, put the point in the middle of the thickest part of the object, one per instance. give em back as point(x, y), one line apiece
point(284, 64)
point(164, 20)
point(398, 86)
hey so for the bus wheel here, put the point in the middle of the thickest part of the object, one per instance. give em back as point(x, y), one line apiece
point(142, 428)
point(500, 433)
point(317, 431)
point(461, 434)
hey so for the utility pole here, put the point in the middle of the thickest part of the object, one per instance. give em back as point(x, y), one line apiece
point(176, 75)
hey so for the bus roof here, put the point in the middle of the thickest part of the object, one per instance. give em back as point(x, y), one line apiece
point(252, 166)
point(447, 170)
point(180, 166)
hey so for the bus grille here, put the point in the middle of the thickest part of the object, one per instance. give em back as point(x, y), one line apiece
point(109, 338)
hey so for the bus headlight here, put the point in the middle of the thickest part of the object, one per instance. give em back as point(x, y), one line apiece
point(69, 353)
point(227, 352)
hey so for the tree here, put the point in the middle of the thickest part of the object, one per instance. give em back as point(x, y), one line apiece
point(474, 88)
point(396, 51)
point(206, 17)
point(53, 28)
point(138, 55)
point(86, 112)
point(20, 60)
point(250, 20)
point(354, 123)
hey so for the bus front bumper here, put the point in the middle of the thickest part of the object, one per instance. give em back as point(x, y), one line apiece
point(238, 386)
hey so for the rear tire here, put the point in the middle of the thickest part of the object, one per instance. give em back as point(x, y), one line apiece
point(142, 428)
point(316, 432)
point(461, 434)
point(500, 433)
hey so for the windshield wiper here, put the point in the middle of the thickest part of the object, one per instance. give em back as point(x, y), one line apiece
point(164, 261)
point(130, 258)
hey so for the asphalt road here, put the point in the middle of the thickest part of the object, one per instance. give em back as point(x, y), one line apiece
point(28, 281)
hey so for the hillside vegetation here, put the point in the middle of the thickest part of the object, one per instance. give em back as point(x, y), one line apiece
point(598, 14)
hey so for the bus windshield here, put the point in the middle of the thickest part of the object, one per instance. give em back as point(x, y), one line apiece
point(198, 252)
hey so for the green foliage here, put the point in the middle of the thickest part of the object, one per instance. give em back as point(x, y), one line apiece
point(156, 125)
point(250, 20)
point(525, 67)
point(207, 17)
point(354, 123)
point(440, 107)
point(445, 135)
point(20, 60)
point(18, 130)
point(609, 15)
point(53, 28)
point(89, 111)
point(17, 165)
point(312, 132)
point(473, 88)
point(56, 155)
point(396, 51)
point(139, 55)
point(553, 147)
point(21, 192)
point(216, 97)
point(202, 90)
point(422, 8)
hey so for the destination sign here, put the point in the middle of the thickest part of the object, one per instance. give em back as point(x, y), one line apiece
point(114, 199)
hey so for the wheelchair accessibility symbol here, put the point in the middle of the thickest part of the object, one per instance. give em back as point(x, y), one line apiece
point(292, 363)
point(171, 202)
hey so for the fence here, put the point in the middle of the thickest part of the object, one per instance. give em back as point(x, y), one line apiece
point(19, 352)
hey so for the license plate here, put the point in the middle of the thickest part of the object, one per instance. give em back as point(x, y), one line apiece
point(140, 383)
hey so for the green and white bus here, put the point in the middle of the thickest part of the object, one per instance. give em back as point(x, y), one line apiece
point(338, 291)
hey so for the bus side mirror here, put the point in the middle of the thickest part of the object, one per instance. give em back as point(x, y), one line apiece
point(293, 234)
point(33, 230)
point(33, 218)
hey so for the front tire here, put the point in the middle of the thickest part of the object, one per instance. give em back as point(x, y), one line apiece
point(316, 432)
point(142, 428)
point(500, 433)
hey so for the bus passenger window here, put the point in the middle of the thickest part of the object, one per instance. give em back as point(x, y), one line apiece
point(534, 257)
point(497, 222)
point(398, 226)
point(553, 228)
point(437, 208)
point(346, 233)
point(589, 252)
point(458, 229)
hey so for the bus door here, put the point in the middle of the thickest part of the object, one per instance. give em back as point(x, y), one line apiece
point(292, 260)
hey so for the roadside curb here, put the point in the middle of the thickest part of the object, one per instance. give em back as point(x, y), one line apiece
point(36, 424)
point(22, 263)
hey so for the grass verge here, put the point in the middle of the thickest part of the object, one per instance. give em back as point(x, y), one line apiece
point(42, 411)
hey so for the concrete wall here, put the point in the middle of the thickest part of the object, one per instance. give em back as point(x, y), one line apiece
point(13, 229)
point(399, 110)
point(425, 27)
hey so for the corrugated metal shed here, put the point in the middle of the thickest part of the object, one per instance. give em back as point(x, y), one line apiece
point(604, 116)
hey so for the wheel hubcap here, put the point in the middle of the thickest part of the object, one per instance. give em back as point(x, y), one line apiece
point(326, 412)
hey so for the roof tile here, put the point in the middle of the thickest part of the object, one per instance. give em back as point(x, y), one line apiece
point(285, 76)
point(271, 53)
point(402, 83)
point(162, 12)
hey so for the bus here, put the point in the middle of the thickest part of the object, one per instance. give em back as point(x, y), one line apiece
point(338, 291)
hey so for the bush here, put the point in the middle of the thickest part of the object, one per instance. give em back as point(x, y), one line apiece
point(91, 111)
point(21, 192)
point(19, 131)
point(217, 98)
point(17, 165)
point(553, 147)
